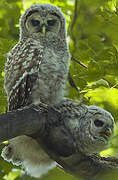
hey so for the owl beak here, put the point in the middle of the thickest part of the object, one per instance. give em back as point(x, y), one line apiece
point(43, 30)
point(107, 133)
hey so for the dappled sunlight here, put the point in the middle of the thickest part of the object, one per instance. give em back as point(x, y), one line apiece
point(100, 95)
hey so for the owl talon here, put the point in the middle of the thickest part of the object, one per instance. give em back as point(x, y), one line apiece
point(9, 155)
point(16, 161)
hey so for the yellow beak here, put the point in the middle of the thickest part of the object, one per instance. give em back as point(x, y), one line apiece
point(44, 30)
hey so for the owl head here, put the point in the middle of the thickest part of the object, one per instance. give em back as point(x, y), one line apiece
point(95, 130)
point(42, 21)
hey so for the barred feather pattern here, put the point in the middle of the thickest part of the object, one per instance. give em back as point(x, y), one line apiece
point(27, 69)
point(36, 71)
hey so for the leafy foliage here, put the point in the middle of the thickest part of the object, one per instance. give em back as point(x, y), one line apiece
point(92, 35)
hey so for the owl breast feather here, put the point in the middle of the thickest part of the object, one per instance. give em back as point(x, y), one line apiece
point(50, 85)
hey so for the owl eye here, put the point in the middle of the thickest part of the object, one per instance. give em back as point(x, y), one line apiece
point(35, 22)
point(51, 22)
point(98, 123)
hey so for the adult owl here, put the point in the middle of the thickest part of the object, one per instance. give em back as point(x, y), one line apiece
point(36, 71)
point(80, 128)
point(69, 128)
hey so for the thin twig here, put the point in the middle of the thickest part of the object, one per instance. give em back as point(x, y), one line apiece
point(75, 15)
point(79, 62)
point(71, 81)
point(110, 84)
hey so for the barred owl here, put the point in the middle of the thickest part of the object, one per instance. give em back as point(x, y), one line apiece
point(36, 71)
point(75, 130)
point(37, 67)
point(86, 129)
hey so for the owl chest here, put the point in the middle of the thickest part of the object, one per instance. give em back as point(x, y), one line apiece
point(51, 66)
point(48, 87)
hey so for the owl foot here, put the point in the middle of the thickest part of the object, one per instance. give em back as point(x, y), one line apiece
point(8, 153)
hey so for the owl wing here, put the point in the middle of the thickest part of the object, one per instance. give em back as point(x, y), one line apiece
point(20, 96)
point(21, 71)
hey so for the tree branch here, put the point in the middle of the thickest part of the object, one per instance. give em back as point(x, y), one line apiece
point(74, 19)
point(40, 121)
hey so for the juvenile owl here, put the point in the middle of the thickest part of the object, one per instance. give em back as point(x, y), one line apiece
point(36, 71)
point(37, 67)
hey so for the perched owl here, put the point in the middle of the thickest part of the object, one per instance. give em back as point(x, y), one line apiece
point(79, 129)
point(37, 67)
point(86, 129)
point(36, 71)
